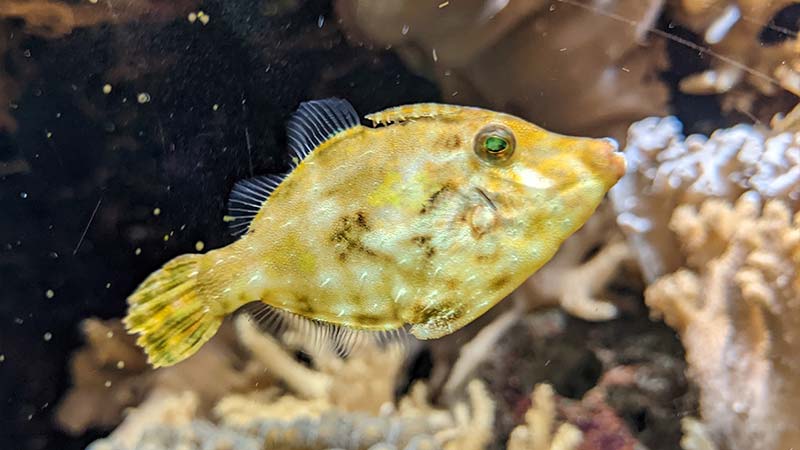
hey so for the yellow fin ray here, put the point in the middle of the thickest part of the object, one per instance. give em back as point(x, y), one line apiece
point(172, 318)
point(403, 113)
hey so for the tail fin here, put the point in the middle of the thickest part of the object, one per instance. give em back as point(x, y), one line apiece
point(170, 314)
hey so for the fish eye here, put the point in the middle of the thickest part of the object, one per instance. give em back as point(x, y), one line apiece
point(494, 144)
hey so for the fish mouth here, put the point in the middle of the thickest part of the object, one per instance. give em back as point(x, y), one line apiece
point(616, 160)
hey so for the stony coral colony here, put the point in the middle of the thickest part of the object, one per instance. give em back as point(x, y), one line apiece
point(710, 223)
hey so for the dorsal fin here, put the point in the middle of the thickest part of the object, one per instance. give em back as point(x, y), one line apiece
point(247, 198)
point(317, 121)
point(403, 113)
point(312, 124)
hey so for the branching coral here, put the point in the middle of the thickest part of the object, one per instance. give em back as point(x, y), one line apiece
point(600, 425)
point(736, 308)
point(538, 59)
point(695, 435)
point(474, 352)
point(732, 28)
point(414, 426)
point(539, 431)
point(108, 375)
point(666, 170)
point(364, 382)
point(573, 279)
point(342, 403)
point(553, 423)
point(162, 408)
point(111, 374)
point(576, 275)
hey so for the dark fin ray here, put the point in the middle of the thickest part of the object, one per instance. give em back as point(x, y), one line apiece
point(316, 121)
point(323, 337)
point(246, 200)
point(312, 124)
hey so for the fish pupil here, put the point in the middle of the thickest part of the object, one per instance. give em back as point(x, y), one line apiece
point(495, 144)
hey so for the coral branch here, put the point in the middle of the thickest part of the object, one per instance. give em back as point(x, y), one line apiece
point(300, 379)
point(572, 281)
point(666, 170)
point(736, 310)
point(539, 431)
point(479, 348)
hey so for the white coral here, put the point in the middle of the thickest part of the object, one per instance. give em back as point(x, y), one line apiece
point(737, 309)
point(666, 170)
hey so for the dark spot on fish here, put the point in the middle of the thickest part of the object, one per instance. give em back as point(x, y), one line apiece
point(499, 282)
point(431, 202)
point(424, 242)
point(452, 142)
point(303, 305)
point(361, 220)
point(347, 235)
point(420, 313)
point(443, 316)
point(366, 319)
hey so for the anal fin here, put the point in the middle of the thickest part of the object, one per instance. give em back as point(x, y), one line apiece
point(320, 338)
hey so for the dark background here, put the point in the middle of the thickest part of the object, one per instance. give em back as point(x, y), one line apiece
point(100, 164)
point(174, 153)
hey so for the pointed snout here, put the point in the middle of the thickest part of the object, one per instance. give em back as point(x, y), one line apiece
point(608, 158)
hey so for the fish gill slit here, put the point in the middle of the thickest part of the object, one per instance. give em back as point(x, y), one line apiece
point(486, 198)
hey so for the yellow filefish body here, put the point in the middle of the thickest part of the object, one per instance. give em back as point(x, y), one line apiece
point(427, 221)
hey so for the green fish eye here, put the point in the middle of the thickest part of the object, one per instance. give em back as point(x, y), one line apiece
point(495, 144)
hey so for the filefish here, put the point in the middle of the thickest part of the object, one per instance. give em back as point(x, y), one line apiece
point(419, 223)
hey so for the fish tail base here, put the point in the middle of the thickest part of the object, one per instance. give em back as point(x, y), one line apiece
point(170, 314)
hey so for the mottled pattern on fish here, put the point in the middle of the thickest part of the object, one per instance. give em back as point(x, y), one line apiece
point(414, 223)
